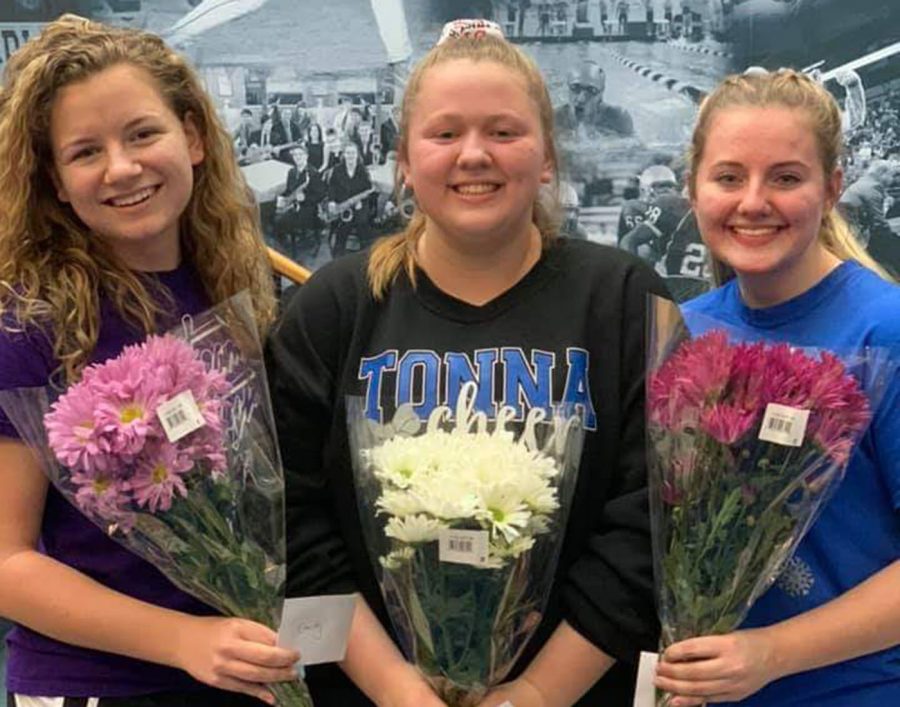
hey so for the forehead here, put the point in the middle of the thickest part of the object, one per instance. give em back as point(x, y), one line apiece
point(761, 135)
point(106, 99)
point(472, 87)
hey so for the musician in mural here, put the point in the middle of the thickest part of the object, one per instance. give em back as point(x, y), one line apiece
point(348, 209)
point(245, 136)
point(297, 223)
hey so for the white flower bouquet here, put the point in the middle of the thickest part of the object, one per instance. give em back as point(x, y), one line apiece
point(464, 519)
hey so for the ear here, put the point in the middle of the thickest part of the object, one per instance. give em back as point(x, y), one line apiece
point(61, 192)
point(403, 171)
point(547, 171)
point(833, 188)
point(196, 149)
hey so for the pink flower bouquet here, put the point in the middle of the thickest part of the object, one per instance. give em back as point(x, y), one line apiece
point(170, 449)
point(746, 441)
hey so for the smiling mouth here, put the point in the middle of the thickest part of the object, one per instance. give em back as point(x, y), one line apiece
point(133, 199)
point(475, 189)
point(756, 231)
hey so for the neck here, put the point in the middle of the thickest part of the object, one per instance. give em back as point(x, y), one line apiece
point(477, 273)
point(778, 286)
point(162, 254)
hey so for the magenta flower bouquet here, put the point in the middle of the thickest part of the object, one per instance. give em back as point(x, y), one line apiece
point(170, 449)
point(746, 441)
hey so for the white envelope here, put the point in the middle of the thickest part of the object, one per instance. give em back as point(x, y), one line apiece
point(645, 690)
point(317, 627)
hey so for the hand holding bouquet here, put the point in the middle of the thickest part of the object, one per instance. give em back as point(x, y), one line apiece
point(464, 521)
point(746, 442)
point(169, 448)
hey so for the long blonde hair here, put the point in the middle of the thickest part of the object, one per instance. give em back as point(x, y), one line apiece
point(794, 90)
point(396, 253)
point(52, 270)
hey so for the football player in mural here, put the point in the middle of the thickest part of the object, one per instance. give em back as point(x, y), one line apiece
point(865, 204)
point(765, 178)
point(586, 115)
point(568, 199)
point(472, 289)
point(665, 233)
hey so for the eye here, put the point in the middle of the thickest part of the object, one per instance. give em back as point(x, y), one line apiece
point(143, 134)
point(727, 179)
point(444, 134)
point(84, 153)
point(788, 180)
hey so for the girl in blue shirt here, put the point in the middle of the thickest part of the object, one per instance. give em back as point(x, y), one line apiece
point(765, 177)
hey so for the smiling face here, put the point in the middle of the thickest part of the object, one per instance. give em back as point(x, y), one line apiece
point(760, 194)
point(474, 154)
point(124, 162)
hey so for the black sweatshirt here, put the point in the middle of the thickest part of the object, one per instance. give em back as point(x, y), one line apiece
point(572, 329)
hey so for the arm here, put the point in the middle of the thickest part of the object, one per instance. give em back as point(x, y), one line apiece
point(863, 620)
point(564, 669)
point(389, 681)
point(642, 234)
point(52, 598)
point(608, 596)
point(302, 361)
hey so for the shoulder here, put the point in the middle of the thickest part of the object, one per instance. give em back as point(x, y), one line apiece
point(877, 301)
point(709, 303)
point(26, 354)
point(331, 296)
point(605, 267)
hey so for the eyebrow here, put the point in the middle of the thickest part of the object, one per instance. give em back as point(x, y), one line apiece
point(131, 124)
point(777, 165)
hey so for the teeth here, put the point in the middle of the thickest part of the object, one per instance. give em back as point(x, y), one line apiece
point(757, 231)
point(476, 188)
point(135, 198)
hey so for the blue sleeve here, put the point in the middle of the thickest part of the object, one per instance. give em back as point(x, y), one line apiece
point(26, 361)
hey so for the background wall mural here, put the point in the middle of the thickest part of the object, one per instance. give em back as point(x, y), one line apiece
point(626, 77)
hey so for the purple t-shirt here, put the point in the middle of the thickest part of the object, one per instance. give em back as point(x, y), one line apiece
point(39, 665)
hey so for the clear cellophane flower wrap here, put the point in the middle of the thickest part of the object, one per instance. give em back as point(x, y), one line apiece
point(170, 449)
point(464, 518)
point(735, 482)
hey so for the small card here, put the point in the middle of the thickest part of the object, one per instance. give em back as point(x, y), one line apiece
point(645, 690)
point(464, 547)
point(180, 416)
point(784, 425)
point(317, 627)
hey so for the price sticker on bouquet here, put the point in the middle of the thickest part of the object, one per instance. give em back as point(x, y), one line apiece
point(784, 425)
point(465, 547)
point(180, 416)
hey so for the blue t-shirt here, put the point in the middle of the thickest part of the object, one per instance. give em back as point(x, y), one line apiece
point(38, 664)
point(858, 532)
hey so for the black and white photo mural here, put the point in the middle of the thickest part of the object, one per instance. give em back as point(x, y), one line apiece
point(310, 91)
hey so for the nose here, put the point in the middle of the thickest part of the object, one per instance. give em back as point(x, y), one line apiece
point(754, 199)
point(120, 164)
point(474, 151)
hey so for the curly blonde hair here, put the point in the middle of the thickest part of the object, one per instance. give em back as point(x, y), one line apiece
point(52, 270)
point(395, 254)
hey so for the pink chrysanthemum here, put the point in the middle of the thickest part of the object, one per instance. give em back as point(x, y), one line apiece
point(107, 424)
point(73, 434)
point(727, 424)
point(101, 494)
point(696, 375)
point(159, 476)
